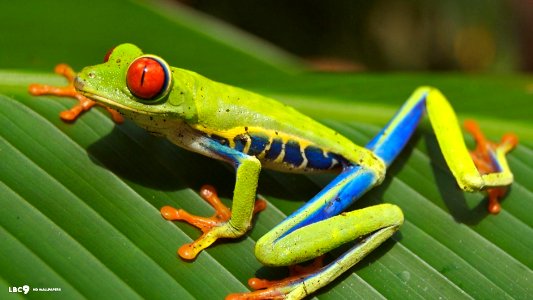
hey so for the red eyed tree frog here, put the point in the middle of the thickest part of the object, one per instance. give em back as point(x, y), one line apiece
point(251, 131)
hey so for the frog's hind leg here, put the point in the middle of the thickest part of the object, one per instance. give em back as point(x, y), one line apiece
point(451, 142)
point(487, 157)
point(486, 168)
point(317, 228)
point(370, 227)
point(320, 226)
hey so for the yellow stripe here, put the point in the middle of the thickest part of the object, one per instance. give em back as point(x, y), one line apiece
point(233, 132)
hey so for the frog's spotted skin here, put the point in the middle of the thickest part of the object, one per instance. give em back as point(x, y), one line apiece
point(251, 131)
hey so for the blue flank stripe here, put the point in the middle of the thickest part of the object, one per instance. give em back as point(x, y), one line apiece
point(316, 159)
point(259, 143)
point(293, 155)
point(240, 143)
point(275, 149)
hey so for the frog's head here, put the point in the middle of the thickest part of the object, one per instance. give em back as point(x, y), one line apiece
point(138, 86)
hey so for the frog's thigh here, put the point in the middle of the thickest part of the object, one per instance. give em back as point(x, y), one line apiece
point(378, 222)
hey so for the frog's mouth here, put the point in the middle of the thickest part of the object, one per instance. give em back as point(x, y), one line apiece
point(82, 88)
point(105, 101)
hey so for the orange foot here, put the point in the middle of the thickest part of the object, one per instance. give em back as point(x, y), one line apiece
point(279, 289)
point(484, 161)
point(69, 91)
point(221, 216)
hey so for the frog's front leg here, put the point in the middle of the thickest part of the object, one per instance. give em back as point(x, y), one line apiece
point(224, 224)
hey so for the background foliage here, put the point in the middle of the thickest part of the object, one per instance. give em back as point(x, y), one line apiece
point(390, 34)
point(79, 202)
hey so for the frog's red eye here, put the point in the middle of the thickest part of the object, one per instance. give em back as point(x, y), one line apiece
point(148, 78)
point(106, 57)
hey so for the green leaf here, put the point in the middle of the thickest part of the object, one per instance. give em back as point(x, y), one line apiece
point(80, 202)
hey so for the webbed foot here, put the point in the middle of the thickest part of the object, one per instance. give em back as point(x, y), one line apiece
point(84, 104)
point(214, 227)
point(280, 289)
point(485, 157)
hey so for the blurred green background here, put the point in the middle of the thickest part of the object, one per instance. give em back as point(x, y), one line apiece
point(478, 35)
point(343, 35)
